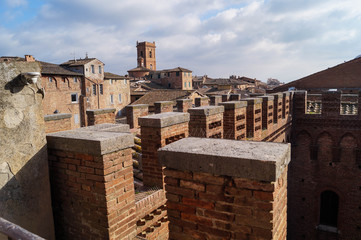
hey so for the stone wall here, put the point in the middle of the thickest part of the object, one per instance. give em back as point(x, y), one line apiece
point(240, 193)
point(24, 177)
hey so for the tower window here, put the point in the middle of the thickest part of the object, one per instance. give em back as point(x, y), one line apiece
point(141, 53)
point(329, 208)
point(74, 97)
point(151, 66)
point(150, 54)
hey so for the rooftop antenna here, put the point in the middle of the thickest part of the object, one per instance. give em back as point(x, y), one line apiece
point(73, 54)
point(86, 55)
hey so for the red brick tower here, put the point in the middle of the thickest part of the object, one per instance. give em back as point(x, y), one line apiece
point(146, 55)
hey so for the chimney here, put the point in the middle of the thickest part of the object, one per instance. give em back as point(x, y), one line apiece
point(29, 58)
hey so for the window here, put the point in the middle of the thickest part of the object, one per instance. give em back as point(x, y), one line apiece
point(100, 69)
point(101, 89)
point(177, 74)
point(111, 99)
point(50, 79)
point(75, 79)
point(141, 53)
point(189, 84)
point(93, 70)
point(150, 53)
point(111, 81)
point(329, 208)
point(185, 84)
point(120, 97)
point(74, 97)
point(151, 66)
point(94, 89)
point(125, 81)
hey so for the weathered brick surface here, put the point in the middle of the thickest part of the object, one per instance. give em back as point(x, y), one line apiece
point(100, 116)
point(325, 156)
point(201, 101)
point(57, 123)
point(206, 122)
point(204, 205)
point(92, 194)
point(134, 112)
point(163, 106)
point(215, 100)
point(184, 104)
point(254, 118)
point(234, 120)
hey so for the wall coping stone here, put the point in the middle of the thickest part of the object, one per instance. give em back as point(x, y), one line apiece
point(184, 100)
point(54, 117)
point(203, 98)
point(286, 94)
point(163, 103)
point(90, 142)
point(277, 95)
point(162, 120)
point(253, 101)
point(101, 111)
point(206, 110)
point(263, 161)
point(267, 98)
point(107, 127)
point(234, 104)
point(136, 106)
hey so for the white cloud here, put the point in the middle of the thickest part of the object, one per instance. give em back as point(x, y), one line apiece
point(276, 38)
point(16, 3)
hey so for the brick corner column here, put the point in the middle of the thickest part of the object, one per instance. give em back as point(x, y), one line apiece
point(133, 112)
point(201, 101)
point(206, 121)
point(213, 192)
point(184, 104)
point(234, 119)
point(91, 175)
point(299, 103)
point(163, 106)
point(215, 100)
point(157, 131)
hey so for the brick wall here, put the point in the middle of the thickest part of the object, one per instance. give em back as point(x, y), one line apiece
point(206, 122)
point(235, 97)
point(246, 198)
point(324, 145)
point(157, 131)
point(201, 101)
point(57, 122)
point(225, 97)
point(99, 116)
point(91, 176)
point(184, 104)
point(134, 112)
point(163, 106)
point(277, 107)
point(234, 120)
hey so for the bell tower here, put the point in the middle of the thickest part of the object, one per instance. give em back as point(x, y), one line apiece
point(146, 55)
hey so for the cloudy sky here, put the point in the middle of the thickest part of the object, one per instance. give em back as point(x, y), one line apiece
point(283, 39)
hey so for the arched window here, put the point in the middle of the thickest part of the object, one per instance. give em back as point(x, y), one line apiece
point(150, 53)
point(141, 53)
point(329, 208)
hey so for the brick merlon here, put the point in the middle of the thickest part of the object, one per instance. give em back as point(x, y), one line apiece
point(163, 119)
point(267, 98)
point(263, 161)
point(100, 111)
point(286, 94)
point(90, 142)
point(58, 116)
point(234, 104)
point(206, 110)
point(107, 127)
point(253, 101)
